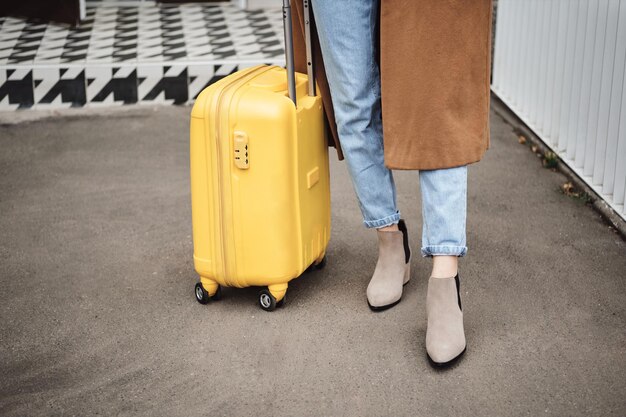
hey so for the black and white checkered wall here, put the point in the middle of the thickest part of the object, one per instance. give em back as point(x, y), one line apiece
point(122, 54)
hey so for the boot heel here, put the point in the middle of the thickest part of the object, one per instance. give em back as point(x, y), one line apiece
point(407, 273)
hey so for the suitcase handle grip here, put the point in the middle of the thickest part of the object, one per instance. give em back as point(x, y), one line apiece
point(288, 29)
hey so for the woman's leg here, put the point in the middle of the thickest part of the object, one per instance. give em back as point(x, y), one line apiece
point(347, 32)
point(444, 212)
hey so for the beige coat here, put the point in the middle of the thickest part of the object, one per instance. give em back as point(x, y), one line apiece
point(435, 64)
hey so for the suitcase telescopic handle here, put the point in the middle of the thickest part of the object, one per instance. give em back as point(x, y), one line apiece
point(291, 74)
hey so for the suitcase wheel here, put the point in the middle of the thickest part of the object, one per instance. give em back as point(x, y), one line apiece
point(321, 264)
point(202, 296)
point(281, 302)
point(317, 265)
point(268, 302)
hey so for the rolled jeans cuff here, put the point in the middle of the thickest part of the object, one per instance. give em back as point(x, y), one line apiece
point(430, 250)
point(385, 221)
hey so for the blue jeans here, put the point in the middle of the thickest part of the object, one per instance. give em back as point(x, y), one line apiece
point(347, 35)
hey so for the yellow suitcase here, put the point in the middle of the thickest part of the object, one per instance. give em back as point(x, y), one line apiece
point(260, 189)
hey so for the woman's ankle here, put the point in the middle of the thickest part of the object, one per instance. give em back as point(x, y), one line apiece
point(445, 266)
point(390, 228)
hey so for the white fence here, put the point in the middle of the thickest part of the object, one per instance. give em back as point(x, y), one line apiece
point(560, 66)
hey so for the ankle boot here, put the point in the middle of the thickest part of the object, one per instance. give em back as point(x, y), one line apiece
point(445, 337)
point(393, 268)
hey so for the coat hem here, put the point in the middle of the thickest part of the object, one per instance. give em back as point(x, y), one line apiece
point(422, 167)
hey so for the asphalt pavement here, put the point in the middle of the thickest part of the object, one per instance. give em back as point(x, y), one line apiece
point(98, 315)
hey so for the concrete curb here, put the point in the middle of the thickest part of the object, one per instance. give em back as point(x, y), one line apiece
point(8, 118)
point(520, 127)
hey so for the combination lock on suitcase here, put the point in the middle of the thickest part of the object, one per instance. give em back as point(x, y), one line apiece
point(260, 189)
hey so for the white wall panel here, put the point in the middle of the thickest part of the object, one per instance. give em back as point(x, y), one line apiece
point(560, 65)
